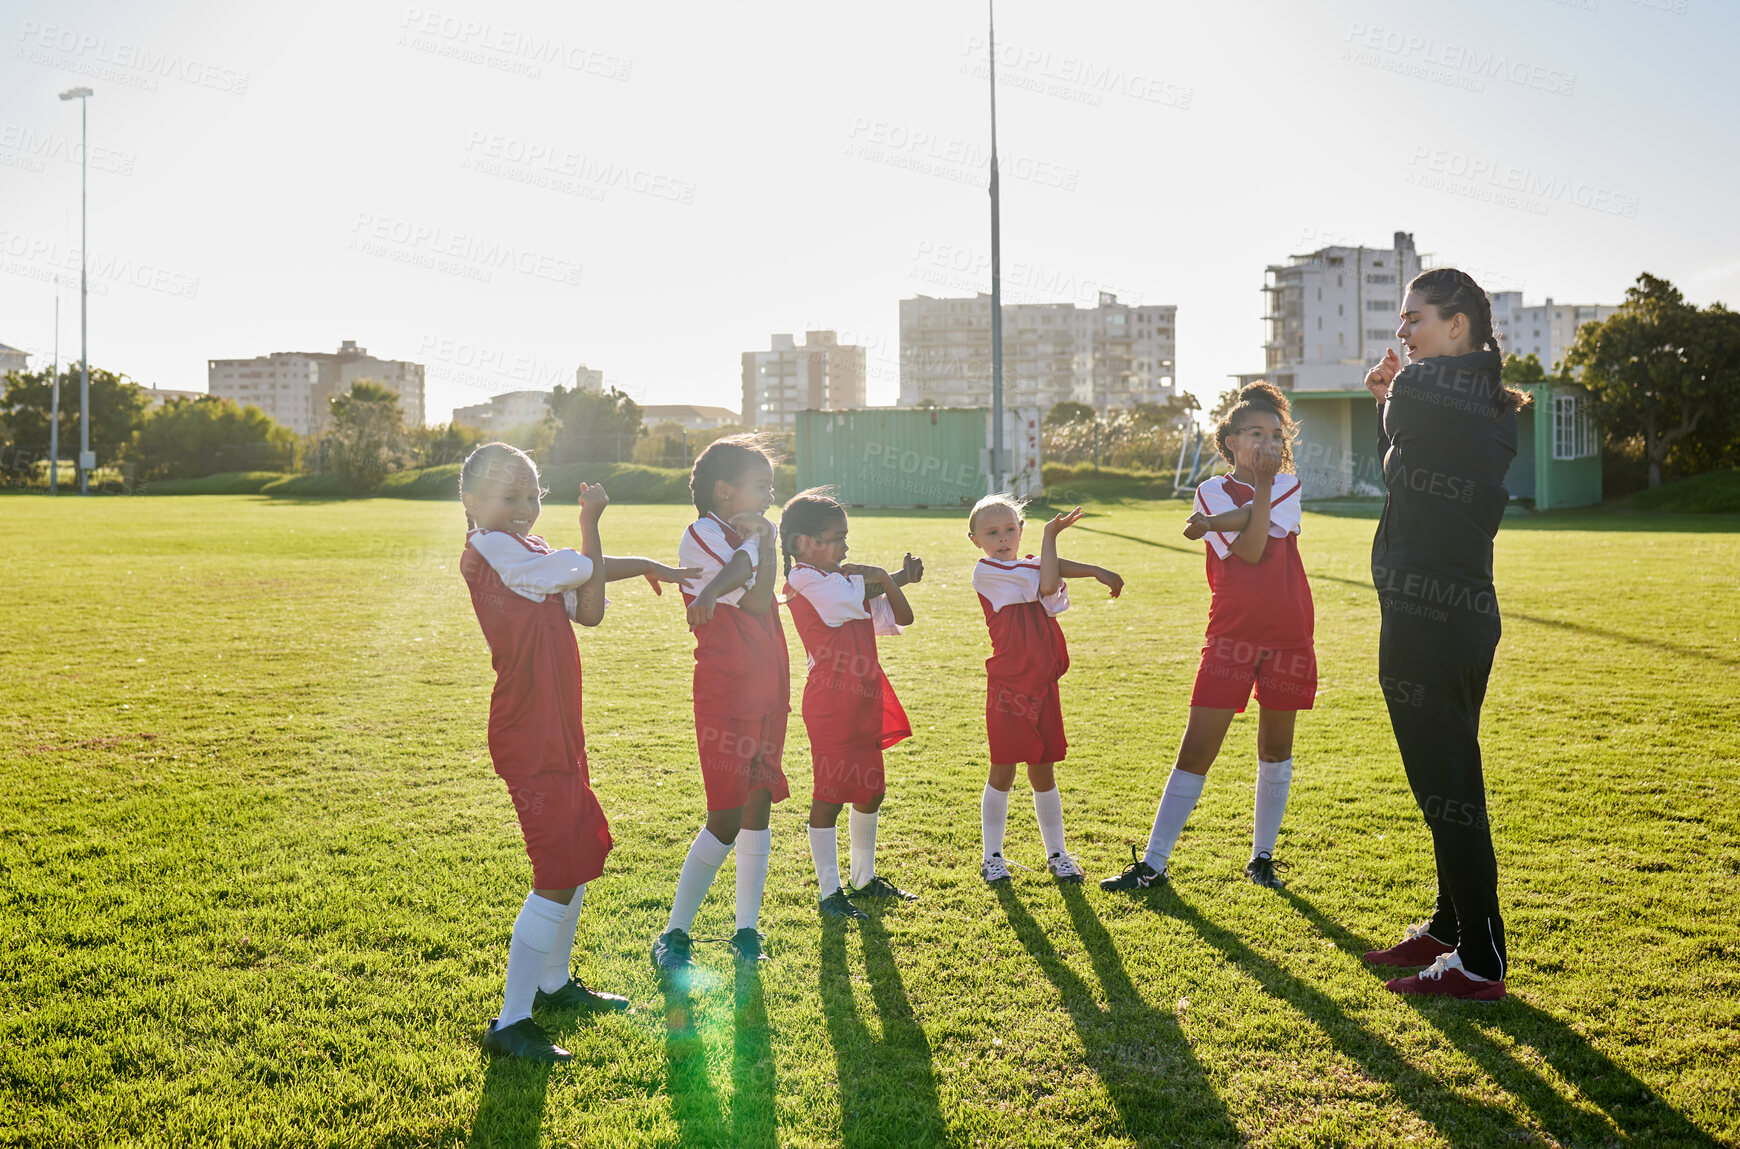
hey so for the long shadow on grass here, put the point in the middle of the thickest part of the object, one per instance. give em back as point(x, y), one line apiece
point(887, 1087)
point(694, 1103)
point(1637, 1114)
point(1601, 632)
point(1461, 1120)
point(1140, 1054)
point(752, 1070)
point(512, 1107)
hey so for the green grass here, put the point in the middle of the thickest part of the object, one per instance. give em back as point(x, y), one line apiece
point(1717, 492)
point(257, 878)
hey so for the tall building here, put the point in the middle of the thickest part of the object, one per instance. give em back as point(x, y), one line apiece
point(1545, 330)
point(819, 374)
point(296, 387)
point(1332, 310)
point(1112, 355)
point(509, 409)
point(589, 379)
point(688, 416)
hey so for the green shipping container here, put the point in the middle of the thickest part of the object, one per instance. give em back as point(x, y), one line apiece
point(912, 457)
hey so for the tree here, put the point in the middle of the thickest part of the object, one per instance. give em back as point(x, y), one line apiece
point(443, 443)
point(1223, 406)
point(367, 440)
point(1660, 369)
point(117, 410)
point(187, 438)
point(662, 445)
point(1065, 413)
point(1522, 371)
point(593, 427)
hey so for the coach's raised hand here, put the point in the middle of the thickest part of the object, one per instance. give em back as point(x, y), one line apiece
point(1377, 380)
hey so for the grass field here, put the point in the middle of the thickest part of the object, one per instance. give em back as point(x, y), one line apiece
point(257, 878)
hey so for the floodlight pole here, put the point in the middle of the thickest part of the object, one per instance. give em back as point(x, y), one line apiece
point(996, 280)
point(54, 410)
point(82, 95)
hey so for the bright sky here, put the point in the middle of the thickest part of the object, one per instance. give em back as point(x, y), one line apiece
point(502, 191)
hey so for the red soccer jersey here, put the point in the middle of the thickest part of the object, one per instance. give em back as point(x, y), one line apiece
point(848, 702)
point(1269, 601)
point(742, 669)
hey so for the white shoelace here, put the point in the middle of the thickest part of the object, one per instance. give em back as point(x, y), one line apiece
point(1065, 865)
point(1441, 966)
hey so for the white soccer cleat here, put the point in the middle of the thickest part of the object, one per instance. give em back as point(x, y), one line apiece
point(994, 869)
point(1063, 867)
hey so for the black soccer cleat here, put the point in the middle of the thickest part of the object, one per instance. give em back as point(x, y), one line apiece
point(670, 953)
point(749, 944)
point(835, 905)
point(1261, 870)
point(524, 1038)
point(881, 887)
point(1138, 875)
point(575, 995)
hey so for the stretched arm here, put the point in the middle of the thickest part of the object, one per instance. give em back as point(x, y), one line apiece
point(881, 582)
point(1254, 539)
point(738, 570)
point(1200, 524)
point(619, 567)
point(911, 571)
point(1048, 574)
point(589, 607)
point(1069, 568)
point(758, 599)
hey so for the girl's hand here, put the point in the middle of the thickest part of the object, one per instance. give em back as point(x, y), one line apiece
point(593, 500)
point(1264, 461)
point(1113, 580)
point(912, 569)
point(700, 611)
point(662, 574)
point(1195, 526)
point(872, 576)
point(1062, 521)
point(748, 523)
point(1377, 380)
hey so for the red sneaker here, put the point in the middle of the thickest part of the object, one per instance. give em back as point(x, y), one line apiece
point(1446, 978)
point(1418, 948)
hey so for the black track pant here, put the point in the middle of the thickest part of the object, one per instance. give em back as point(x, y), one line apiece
point(1433, 665)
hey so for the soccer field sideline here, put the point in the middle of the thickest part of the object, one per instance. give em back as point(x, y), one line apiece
point(260, 877)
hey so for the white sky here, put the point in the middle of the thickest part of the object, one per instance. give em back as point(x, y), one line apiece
point(274, 177)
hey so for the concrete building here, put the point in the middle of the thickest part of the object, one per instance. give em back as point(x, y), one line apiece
point(156, 396)
point(688, 416)
point(509, 409)
point(819, 374)
point(296, 387)
point(1333, 310)
point(1545, 330)
point(1109, 356)
point(589, 379)
point(13, 359)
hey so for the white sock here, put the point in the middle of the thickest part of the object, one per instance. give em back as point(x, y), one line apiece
point(535, 932)
point(753, 850)
point(861, 829)
point(993, 818)
point(1048, 807)
point(556, 974)
point(705, 857)
point(1182, 790)
point(825, 849)
point(1274, 779)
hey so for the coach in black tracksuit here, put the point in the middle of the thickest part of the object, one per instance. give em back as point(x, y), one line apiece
point(1449, 433)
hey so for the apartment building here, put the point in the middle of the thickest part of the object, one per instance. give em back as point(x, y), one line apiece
point(296, 387)
point(819, 374)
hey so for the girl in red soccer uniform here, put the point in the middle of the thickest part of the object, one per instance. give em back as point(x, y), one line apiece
point(742, 690)
point(1259, 632)
point(526, 594)
point(1022, 598)
point(850, 710)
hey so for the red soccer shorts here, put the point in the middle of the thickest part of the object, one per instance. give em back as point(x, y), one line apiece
point(1024, 728)
point(848, 774)
point(740, 755)
point(567, 835)
point(1286, 679)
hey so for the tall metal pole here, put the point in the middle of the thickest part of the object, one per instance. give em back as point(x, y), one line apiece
point(54, 410)
point(84, 346)
point(996, 280)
